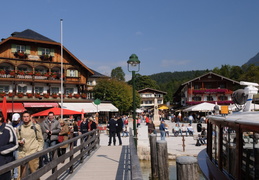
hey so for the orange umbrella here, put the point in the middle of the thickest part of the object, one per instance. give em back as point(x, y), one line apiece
point(4, 109)
point(56, 111)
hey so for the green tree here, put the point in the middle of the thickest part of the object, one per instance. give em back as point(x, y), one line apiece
point(118, 74)
point(143, 82)
point(118, 92)
point(251, 74)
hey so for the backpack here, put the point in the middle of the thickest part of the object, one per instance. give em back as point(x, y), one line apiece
point(126, 122)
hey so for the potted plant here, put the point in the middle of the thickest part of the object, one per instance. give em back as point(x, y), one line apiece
point(54, 75)
point(54, 95)
point(46, 57)
point(2, 94)
point(76, 96)
point(20, 95)
point(37, 95)
point(46, 74)
point(29, 95)
point(83, 96)
point(70, 95)
point(46, 95)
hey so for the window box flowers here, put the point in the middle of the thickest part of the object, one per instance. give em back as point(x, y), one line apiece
point(76, 96)
point(2, 71)
point(29, 73)
point(20, 54)
point(21, 73)
point(46, 74)
point(38, 74)
point(54, 95)
point(20, 95)
point(46, 95)
point(10, 94)
point(70, 95)
point(29, 95)
point(83, 96)
point(2, 94)
point(46, 57)
point(37, 95)
point(12, 73)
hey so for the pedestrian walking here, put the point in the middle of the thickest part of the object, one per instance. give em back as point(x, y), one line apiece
point(8, 145)
point(119, 129)
point(50, 129)
point(30, 141)
point(112, 124)
point(64, 134)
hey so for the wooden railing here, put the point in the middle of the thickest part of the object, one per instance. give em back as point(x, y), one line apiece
point(136, 173)
point(88, 143)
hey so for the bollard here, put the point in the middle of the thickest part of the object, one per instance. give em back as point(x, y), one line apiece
point(183, 144)
point(153, 154)
point(187, 168)
point(162, 158)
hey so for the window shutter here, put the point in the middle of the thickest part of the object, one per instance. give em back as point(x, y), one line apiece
point(13, 49)
point(28, 50)
point(68, 72)
point(39, 51)
point(52, 52)
point(76, 73)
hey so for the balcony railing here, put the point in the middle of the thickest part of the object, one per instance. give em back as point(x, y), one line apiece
point(213, 102)
point(210, 91)
point(30, 75)
point(42, 96)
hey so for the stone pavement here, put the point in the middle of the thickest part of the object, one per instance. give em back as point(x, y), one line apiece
point(174, 144)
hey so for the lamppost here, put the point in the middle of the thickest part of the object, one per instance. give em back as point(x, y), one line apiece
point(134, 66)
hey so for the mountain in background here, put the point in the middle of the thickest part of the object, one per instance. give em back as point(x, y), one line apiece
point(254, 60)
point(166, 77)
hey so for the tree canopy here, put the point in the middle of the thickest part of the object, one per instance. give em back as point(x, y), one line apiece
point(118, 92)
point(118, 74)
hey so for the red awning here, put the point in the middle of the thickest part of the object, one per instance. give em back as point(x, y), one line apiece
point(40, 105)
point(16, 107)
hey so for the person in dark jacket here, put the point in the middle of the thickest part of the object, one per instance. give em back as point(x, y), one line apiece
point(8, 145)
point(119, 129)
point(112, 124)
point(84, 126)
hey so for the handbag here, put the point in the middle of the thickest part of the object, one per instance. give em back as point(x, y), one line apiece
point(60, 139)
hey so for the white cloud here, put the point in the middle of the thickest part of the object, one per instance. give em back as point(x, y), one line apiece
point(167, 63)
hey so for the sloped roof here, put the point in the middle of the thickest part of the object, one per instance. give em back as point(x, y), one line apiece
point(97, 75)
point(30, 34)
point(150, 89)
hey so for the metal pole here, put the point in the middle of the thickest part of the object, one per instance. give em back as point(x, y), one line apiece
point(61, 73)
point(134, 108)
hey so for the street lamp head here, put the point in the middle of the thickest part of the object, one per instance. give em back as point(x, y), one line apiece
point(133, 61)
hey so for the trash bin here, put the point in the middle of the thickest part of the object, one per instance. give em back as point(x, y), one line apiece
point(199, 127)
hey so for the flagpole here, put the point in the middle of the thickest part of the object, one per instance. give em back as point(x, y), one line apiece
point(61, 77)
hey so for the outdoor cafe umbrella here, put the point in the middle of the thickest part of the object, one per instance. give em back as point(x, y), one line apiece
point(56, 111)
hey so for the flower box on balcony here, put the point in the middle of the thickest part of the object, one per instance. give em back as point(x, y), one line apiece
point(76, 96)
point(12, 73)
point(29, 73)
point(46, 57)
point(29, 95)
point(20, 54)
point(70, 95)
point(46, 95)
point(10, 94)
point(2, 71)
point(54, 95)
point(83, 96)
point(46, 74)
point(20, 95)
point(21, 73)
point(2, 94)
point(37, 95)
point(38, 74)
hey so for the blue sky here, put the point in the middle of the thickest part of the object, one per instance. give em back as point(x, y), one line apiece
point(167, 35)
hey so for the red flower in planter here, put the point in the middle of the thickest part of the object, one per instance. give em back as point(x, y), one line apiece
point(20, 95)
point(54, 95)
point(77, 95)
point(29, 95)
point(83, 96)
point(2, 94)
point(10, 94)
point(46, 95)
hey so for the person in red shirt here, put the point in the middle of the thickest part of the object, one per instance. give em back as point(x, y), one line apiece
point(147, 120)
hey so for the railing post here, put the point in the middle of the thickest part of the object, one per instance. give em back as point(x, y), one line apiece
point(153, 155)
point(162, 158)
